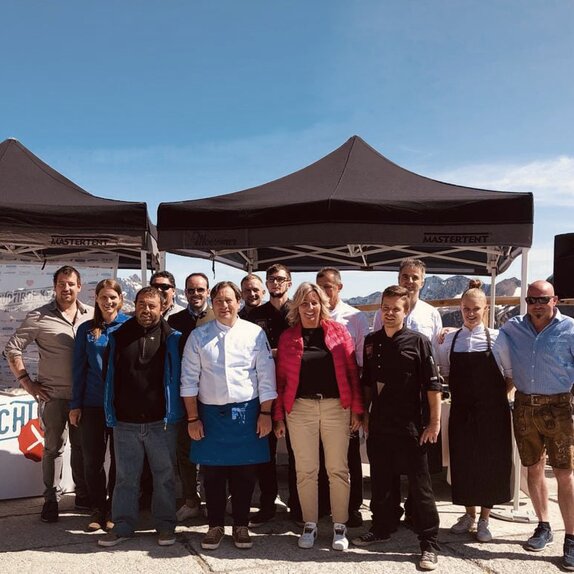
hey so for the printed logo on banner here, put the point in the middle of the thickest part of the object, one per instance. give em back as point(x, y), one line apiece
point(14, 415)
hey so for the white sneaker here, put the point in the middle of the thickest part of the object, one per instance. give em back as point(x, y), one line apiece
point(186, 512)
point(464, 524)
point(340, 540)
point(483, 534)
point(307, 539)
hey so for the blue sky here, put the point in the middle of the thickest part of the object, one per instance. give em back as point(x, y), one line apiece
point(170, 100)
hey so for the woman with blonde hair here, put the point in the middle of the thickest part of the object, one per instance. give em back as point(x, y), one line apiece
point(320, 399)
point(87, 404)
point(479, 425)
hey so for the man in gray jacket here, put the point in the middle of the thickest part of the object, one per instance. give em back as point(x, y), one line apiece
point(53, 328)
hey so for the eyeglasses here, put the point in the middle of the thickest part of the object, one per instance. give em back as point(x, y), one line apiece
point(540, 300)
point(163, 286)
point(277, 279)
point(193, 290)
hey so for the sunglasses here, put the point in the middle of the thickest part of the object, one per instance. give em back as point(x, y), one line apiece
point(193, 290)
point(279, 280)
point(540, 300)
point(163, 286)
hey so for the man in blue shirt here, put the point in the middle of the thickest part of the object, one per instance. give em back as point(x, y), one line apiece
point(537, 352)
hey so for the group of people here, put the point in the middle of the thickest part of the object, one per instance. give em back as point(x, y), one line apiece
point(217, 385)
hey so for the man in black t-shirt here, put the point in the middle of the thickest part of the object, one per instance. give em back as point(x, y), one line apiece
point(272, 318)
point(398, 370)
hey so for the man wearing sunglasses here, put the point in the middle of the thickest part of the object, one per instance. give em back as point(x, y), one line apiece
point(165, 282)
point(198, 312)
point(537, 352)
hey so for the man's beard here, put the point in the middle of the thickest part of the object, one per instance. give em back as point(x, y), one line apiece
point(276, 295)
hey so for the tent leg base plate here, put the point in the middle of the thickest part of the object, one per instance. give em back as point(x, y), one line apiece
point(514, 515)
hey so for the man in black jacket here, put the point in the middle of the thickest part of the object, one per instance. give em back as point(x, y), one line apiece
point(398, 370)
point(143, 406)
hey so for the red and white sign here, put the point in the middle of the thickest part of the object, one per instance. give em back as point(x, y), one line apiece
point(31, 440)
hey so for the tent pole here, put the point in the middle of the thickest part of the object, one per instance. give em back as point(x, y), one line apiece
point(515, 514)
point(143, 256)
point(492, 311)
point(524, 280)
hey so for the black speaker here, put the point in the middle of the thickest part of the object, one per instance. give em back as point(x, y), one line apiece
point(564, 265)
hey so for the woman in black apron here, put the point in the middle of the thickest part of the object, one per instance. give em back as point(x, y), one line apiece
point(479, 425)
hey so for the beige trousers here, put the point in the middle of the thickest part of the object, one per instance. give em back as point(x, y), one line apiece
point(309, 422)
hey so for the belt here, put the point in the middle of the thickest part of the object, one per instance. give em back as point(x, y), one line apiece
point(315, 397)
point(542, 399)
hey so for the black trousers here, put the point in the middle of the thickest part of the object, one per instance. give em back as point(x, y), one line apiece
point(267, 477)
point(390, 456)
point(241, 480)
point(95, 437)
point(187, 470)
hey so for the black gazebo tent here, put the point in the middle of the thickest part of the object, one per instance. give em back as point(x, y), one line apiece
point(356, 210)
point(563, 275)
point(45, 216)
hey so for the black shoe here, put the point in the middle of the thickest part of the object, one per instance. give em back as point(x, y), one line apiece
point(541, 538)
point(82, 503)
point(368, 538)
point(428, 560)
point(260, 518)
point(568, 558)
point(355, 519)
point(49, 511)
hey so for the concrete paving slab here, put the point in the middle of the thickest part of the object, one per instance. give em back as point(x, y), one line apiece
point(28, 545)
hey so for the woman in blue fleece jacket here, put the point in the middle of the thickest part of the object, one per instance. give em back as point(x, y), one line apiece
point(87, 404)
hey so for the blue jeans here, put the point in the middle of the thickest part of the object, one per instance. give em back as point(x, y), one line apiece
point(132, 441)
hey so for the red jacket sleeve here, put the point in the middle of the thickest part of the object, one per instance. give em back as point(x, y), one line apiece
point(281, 378)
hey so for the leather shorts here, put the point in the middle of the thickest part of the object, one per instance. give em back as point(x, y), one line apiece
point(544, 422)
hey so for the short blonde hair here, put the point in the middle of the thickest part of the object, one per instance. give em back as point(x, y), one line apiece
point(303, 290)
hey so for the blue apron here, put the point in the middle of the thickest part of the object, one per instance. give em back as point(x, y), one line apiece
point(230, 436)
